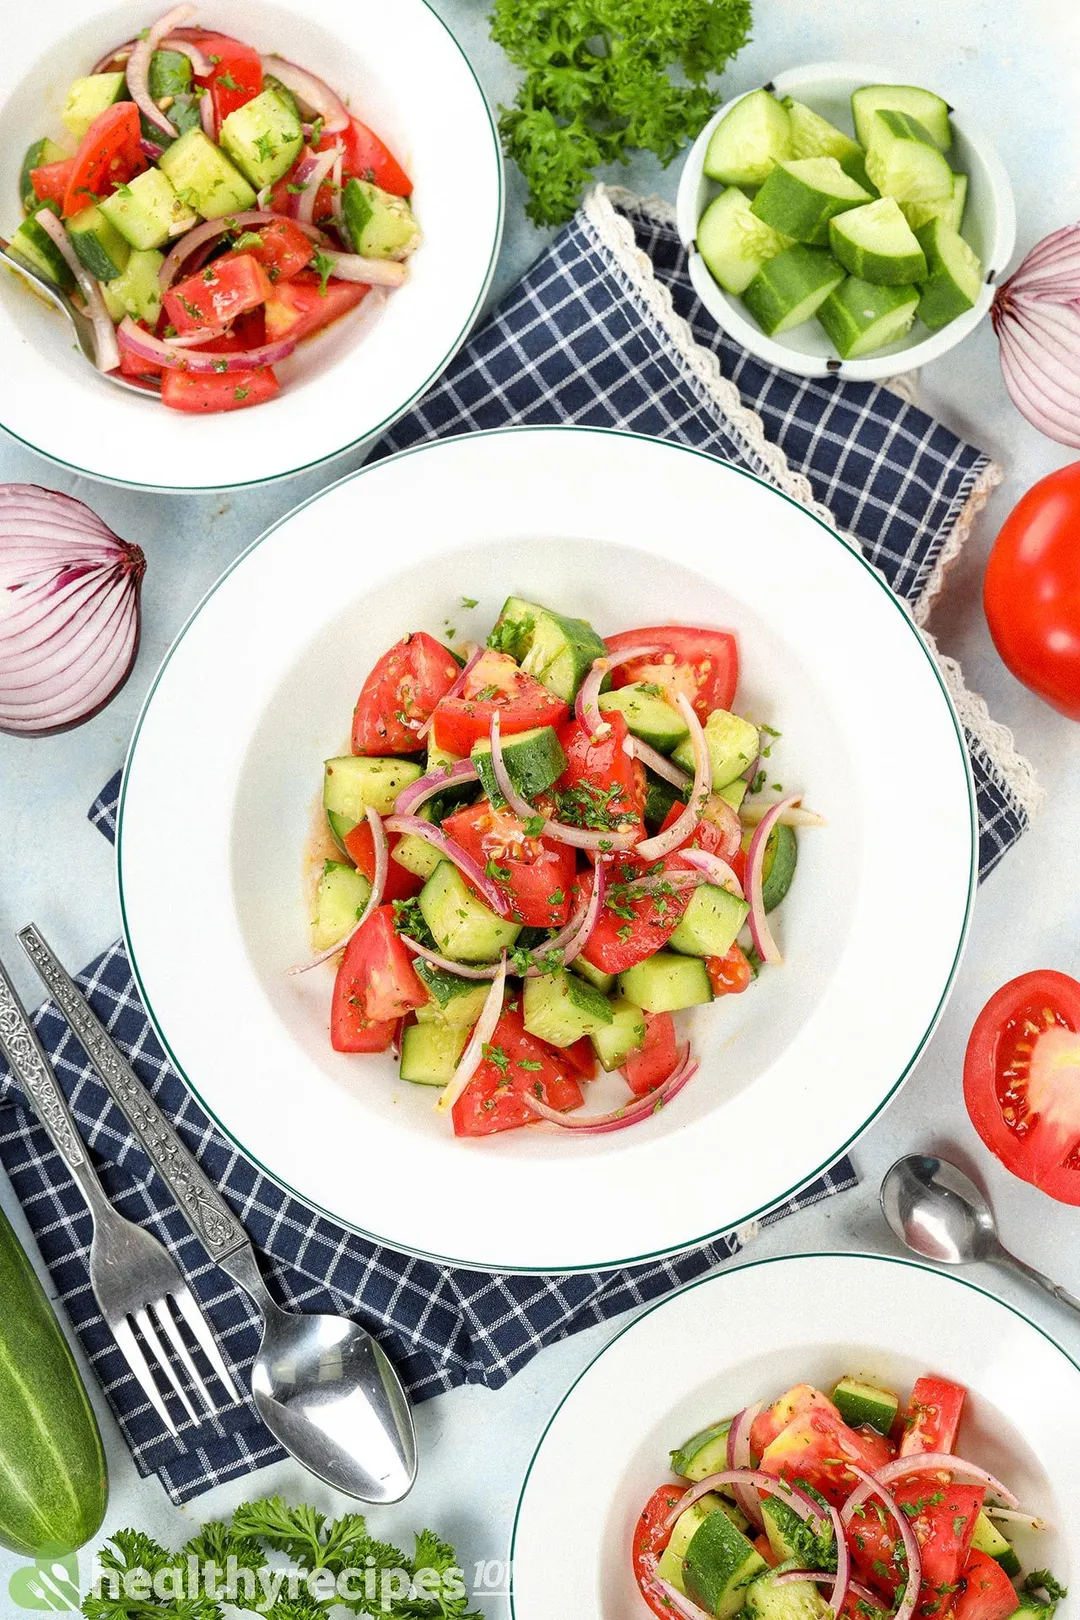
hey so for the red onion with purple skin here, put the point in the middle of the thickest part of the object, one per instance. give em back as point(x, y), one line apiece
point(69, 611)
point(1036, 315)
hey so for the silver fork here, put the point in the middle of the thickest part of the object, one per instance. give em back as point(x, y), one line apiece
point(136, 1282)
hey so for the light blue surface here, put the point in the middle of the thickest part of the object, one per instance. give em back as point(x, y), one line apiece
point(1015, 65)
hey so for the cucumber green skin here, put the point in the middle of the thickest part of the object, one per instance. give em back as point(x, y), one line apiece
point(924, 106)
point(37, 156)
point(701, 1447)
point(53, 1482)
point(560, 1007)
point(202, 175)
point(781, 870)
point(463, 927)
point(719, 1565)
point(447, 992)
point(844, 315)
point(557, 651)
point(876, 1407)
point(659, 798)
point(792, 287)
point(36, 246)
point(795, 209)
point(533, 759)
point(380, 225)
point(989, 1539)
point(649, 717)
point(884, 269)
point(943, 299)
point(98, 244)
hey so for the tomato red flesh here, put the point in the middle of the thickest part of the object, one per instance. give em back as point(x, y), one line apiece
point(218, 294)
point(701, 664)
point(986, 1591)
point(51, 181)
point(603, 786)
point(207, 391)
point(494, 683)
point(933, 1417)
point(281, 248)
point(108, 156)
point(536, 875)
point(814, 1445)
point(400, 695)
point(518, 1064)
point(376, 972)
point(580, 1058)
point(651, 1536)
point(630, 930)
point(301, 306)
point(360, 847)
point(942, 1518)
point(367, 157)
point(236, 74)
point(653, 1062)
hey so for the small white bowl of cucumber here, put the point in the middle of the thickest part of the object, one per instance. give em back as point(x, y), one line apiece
point(841, 224)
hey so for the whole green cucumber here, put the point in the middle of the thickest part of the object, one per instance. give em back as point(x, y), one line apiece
point(53, 1484)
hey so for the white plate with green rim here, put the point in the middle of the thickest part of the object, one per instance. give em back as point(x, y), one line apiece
point(749, 1334)
point(259, 689)
point(402, 71)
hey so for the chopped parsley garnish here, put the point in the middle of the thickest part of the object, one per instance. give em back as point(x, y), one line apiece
point(531, 1064)
point(534, 826)
point(501, 874)
point(486, 694)
point(265, 147)
point(226, 79)
point(240, 394)
point(221, 365)
point(316, 134)
point(496, 1056)
point(295, 189)
point(323, 266)
point(510, 635)
point(468, 601)
point(586, 805)
point(758, 783)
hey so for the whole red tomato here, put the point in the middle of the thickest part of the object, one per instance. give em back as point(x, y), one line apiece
point(1032, 590)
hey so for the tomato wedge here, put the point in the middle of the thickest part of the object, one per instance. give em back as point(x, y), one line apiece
point(376, 972)
point(301, 306)
point(368, 158)
point(650, 1064)
point(537, 876)
point(360, 847)
point(795, 1402)
point(217, 295)
point(602, 787)
point(281, 248)
point(986, 1591)
point(235, 75)
point(109, 156)
point(516, 1063)
point(943, 1518)
point(400, 695)
point(1021, 1075)
point(701, 664)
point(206, 391)
point(933, 1416)
point(651, 1536)
point(494, 682)
point(813, 1447)
point(51, 181)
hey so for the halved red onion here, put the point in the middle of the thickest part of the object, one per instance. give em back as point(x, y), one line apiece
point(578, 837)
point(573, 938)
point(796, 815)
point(464, 970)
point(417, 793)
point(315, 97)
point(764, 943)
point(138, 68)
point(309, 174)
point(378, 886)
point(370, 272)
point(211, 229)
point(1036, 315)
point(797, 1500)
point(106, 353)
point(69, 630)
point(715, 868)
point(473, 1054)
point(663, 843)
point(912, 1550)
point(162, 352)
point(619, 1118)
point(940, 1461)
point(660, 764)
point(466, 864)
point(738, 1456)
point(472, 654)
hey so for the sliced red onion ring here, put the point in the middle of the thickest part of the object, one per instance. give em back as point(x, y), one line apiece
point(912, 1550)
point(677, 1601)
point(663, 843)
point(138, 68)
point(307, 177)
point(106, 352)
point(662, 880)
point(200, 62)
point(943, 1461)
point(208, 117)
point(464, 970)
point(754, 810)
point(586, 706)
point(314, 96)
point(620, 1118)
point(455, 690)
point(161, 352)
point(1010, 1516)
point(797, 1500)
point(573, 938)
point(715, 869)
point(150, 149)
point(660, 765)
point(578, 837)
point(378, 885)
point(473, 1054)
point(370, 272)
point(211, 229)
point(764, 943)
point(465, 863)
point(824, 1577)
point(417, 793)
point(738, 1456)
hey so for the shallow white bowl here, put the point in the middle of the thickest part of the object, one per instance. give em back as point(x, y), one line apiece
point(989, 226)
point(404, 73)
point(259, 689)
point(747, 1335)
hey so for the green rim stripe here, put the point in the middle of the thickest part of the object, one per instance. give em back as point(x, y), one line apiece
point(705, 1237)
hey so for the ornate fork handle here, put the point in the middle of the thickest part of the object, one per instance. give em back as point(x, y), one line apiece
point(209, 1217)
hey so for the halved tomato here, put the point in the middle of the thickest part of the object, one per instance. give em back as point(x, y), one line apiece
point(651, 1536)
point(933, 1416)
point(302, 305)
point(400, 695)
point(360, 847)
point(701, 664)
point(516, 1063)
point(109, 155)
point(536, 875)
point(1021, 1075)
point(651, 1063)
point(494, 682)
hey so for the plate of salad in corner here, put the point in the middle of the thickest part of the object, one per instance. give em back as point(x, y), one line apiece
point(493, 832)
point(830, 1434)
point(254, 208)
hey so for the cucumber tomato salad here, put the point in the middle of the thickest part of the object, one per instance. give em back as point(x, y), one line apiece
point(843, 1504)
point(550, 845)
point(209, 208)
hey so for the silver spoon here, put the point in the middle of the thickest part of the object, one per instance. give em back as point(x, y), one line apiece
point(321, 1384)
point(937, 1211)
point(81, 324)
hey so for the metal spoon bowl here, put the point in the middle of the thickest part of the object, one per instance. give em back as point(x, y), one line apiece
point(81, 324)
point(938, 1212)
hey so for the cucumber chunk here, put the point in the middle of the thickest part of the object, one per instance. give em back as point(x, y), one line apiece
point(463, 926)
point(749, 139)
point(148, 211)
point(799, 198)
point(733, 745)
point(877, 243)
point(732, 793)
point(430, 1052)
point(955, 274)
point(88, 98)
point(556, 651)
point(778, 867)
point(340, 898)
point(704, 1453)
point(355, 781)
point(415, 854)
point(593, 975)
point(202, 176)
point(950, 209)
point(710, 924)
point(733, 242)
point(790, 288)
point(560, 1008)
point(38, 155)
point(718, 1556)
point(379, 225)
point(923, 105)
point(263, 138)
point(33, 244)
point(533, 759)
point(98, 243)
point(796, 1600)
point(666, 982)
point(452, 1000)
point(989, 1539)
point(903, 161)
point(860, 1404)
point(137, 290)
point(861, 317)
point(814, 136)
point(614, 1042)
point(648, 715)
point(169, 74)
point(659, 798)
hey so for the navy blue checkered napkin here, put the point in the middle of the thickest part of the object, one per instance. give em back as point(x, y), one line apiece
point(595, 333)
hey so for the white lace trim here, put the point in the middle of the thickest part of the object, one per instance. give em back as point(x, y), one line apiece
point(615, 234)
